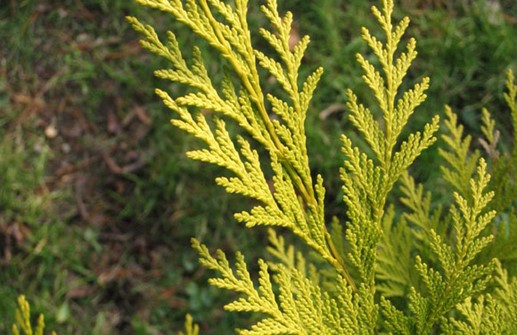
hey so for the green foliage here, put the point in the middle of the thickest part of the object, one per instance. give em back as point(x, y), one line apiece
point(458, 243)
point(283, 138)
point(190, 328)
point(302, 305)
point(491, 313)
point(444, 262)
point(23, 320)
point(504, 185)
point(430, 268)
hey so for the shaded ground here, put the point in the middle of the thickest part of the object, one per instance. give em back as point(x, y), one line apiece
point(74, 91)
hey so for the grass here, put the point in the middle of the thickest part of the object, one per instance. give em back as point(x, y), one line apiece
point(101, 203)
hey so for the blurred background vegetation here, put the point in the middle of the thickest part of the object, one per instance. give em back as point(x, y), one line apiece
point(97, 200)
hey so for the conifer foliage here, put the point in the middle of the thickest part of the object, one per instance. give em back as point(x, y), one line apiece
point(422, 271)
point(23, 324)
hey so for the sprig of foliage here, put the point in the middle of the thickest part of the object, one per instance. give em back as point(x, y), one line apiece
point(23, 320)
point(504, 185)
point(190, 327)
point(368, 181)
point(394, 273)
point(452, 256)
point(461, 162)
point(427, 258)
point(452, 277)
point(301, 306)
point(460, 279)
point(297, 202)
point(490, 313)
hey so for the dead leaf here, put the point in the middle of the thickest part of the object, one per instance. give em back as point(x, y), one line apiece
point(332, 109)
point(294, 37)
point(142, 115)
point(113, 123)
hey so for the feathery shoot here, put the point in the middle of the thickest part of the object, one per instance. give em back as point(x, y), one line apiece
point(401, 273)
point(298, 201)
point(190, 327)
point(23, 320)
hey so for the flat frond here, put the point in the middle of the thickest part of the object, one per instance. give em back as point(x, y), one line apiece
point(461, 164)
point(437, 260)
point(23, 320)
point(190, 327)
point(394, 320)
point(470, 219)
point(394, 260)
point(364, 121)
point(422, 216)
point(511, 100)
point(296, 308)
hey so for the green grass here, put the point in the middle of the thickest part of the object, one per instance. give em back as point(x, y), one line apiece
point(33, 257)
point(106, 252)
